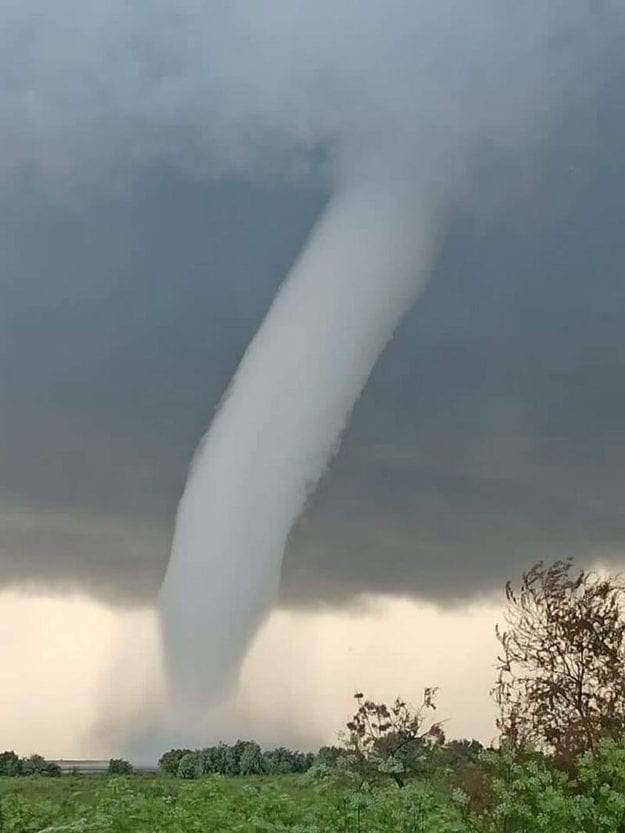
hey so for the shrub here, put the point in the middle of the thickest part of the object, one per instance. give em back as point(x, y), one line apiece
point(561, 683)
point(118, 766)
point(33, 765)
point(10, 764)
point(391, 740)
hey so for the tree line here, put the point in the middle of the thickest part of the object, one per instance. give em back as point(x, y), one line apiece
point(245, 757)
point(12, 766)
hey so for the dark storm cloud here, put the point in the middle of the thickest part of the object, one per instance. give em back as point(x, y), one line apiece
point(121, 324)
point(492, 433)
point(493, 430)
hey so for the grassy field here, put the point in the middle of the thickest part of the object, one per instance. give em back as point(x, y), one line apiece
point(508, 792)
point(157, 804)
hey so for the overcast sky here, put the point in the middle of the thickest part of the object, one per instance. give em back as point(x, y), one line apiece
point(94, 676)
point(161, 165)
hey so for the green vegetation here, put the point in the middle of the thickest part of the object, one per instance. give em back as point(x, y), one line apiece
point(244, 757)
point(559, 766)
point(144, 804)
point(518, 793)
point(118, 766)
point(11, 766)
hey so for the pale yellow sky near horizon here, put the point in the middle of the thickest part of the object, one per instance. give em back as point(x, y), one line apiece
point(68, 663)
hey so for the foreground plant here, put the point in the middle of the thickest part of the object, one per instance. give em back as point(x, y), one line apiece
point(391, 740)
point(561, 683)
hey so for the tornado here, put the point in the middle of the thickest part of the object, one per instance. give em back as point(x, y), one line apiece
point(279, 424)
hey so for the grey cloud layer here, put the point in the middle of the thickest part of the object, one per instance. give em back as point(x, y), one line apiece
point(91, 89)
point(492, 431)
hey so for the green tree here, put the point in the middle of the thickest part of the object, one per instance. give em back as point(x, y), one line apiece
point(34, 765)
point(189, 766)
point(170, 761)
point(328, 755)
point(118, 766)
point(10, 764)
point(251, 760)
point(211, 759)
point(232, 756)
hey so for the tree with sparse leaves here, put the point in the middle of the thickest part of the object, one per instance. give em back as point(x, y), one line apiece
point(396, 739)
point(561, 680)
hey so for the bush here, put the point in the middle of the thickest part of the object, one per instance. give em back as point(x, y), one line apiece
point(118, 766)
point(10, 764)
point(33, 765)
